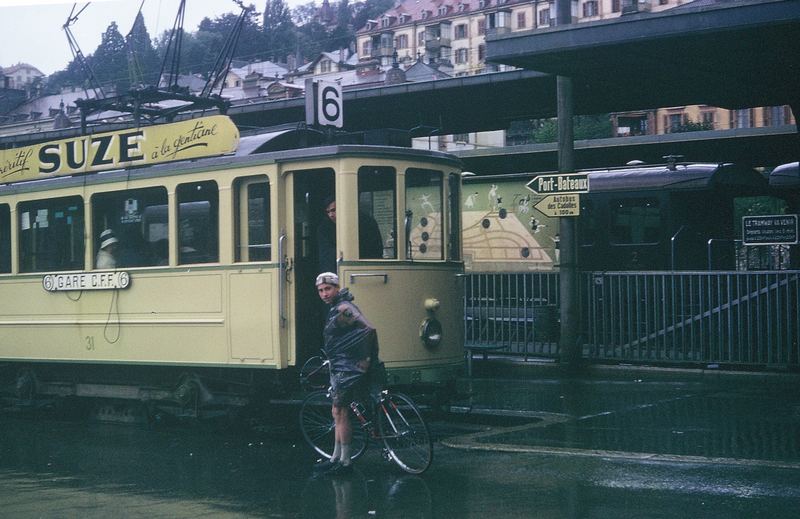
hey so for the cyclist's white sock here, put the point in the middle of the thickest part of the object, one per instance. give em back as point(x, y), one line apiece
point(345, 457)
point(337, 451)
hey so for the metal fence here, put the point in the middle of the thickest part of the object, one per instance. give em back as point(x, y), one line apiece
point(732, 318)
point(517, 313)
point(748, 318)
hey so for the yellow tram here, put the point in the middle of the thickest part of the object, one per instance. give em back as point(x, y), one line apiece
point(211, 295)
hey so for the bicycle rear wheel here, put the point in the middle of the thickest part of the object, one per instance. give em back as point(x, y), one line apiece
point(405, 433)
point(316, 424)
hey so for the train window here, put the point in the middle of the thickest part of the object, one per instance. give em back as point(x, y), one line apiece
point(587, 230)
point(253, 231)
point(5, 238)
point(377, 213)
point(635, 220)
point(454, 213)
point(424, 213)
point(138, 220)
point(198, 222)
point(51, 234)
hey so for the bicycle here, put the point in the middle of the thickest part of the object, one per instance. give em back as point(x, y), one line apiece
point(391, 417)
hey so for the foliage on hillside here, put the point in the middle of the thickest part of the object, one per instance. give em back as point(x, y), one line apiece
point(121, 62)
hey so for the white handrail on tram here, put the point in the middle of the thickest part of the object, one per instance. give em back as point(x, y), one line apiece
point(384, 275)
point(282, 280)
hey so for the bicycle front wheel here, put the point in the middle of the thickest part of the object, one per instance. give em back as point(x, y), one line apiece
point(405, 433)
point(316, 424)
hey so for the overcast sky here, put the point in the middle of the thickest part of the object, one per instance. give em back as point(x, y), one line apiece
point(31, 30)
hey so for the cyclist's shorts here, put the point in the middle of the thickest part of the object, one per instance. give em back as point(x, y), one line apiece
point(343, 392)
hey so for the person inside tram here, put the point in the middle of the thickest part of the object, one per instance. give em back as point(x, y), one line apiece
point(106, 256)
point(370, 244)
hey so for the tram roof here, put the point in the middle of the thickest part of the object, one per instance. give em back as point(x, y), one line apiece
point(678, 178)
point(785, 175)
point(233, 161)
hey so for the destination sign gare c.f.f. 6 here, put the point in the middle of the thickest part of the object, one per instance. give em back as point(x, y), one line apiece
point(194, 138)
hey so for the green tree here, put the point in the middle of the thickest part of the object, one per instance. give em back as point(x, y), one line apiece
point(369, 10)
point(584, 127)
point(110, 60)
point(279, 30)
point(143, 62)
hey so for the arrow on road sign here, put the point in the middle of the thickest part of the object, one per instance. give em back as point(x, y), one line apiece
point(559, 183)
point(560, 205)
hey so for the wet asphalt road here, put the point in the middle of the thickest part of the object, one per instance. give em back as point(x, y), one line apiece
point(53, 467)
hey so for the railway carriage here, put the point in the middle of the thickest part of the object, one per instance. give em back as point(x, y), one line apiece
point(212, 299)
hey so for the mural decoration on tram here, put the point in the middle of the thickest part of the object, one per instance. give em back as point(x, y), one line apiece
point(502, 231)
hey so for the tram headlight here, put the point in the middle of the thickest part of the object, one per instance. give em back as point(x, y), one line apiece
point(431, 332)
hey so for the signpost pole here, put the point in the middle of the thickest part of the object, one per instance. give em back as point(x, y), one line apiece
point(570, 349)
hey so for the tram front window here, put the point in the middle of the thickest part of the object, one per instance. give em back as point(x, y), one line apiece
point(142, 239)
point(51, 234)
point(377, 215)
point(424, 208)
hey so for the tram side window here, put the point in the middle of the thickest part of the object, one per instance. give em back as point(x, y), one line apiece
point(424, 214)
point(635, 221)
point(51, 234)
point(138, 220)
point(377, 213)
point(198, 222)
point(253, 220)
point(5, 238)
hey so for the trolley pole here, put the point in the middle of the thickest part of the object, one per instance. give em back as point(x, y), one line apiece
point(569, 347)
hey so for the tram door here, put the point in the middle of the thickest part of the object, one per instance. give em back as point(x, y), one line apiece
point(311, 227)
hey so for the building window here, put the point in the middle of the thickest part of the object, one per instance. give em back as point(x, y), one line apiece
point(460, 138)
point(442, 10)
point(366, 48)
point(481, 52)
point(615, 6)
point(401, 42)
point(325, 66)
point(590, 8)
point(138, 220)
point(708, 119)
point(198, 222)
point(461, 56)
point(461, 31)
point(482, 26)
point(253, 229)
point(743, 118)
point(51, 234)
point(421, 38)
point(521, 22)
point(544, 17)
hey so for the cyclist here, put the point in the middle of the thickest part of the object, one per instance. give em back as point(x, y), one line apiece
point(351, 345)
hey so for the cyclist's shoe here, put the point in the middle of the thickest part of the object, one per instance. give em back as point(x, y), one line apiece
point(324, 465)
point(340, 470)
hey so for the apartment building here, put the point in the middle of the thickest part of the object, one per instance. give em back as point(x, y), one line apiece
point(451, 35)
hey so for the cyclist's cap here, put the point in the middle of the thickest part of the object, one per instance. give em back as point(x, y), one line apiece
point(327, 278)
